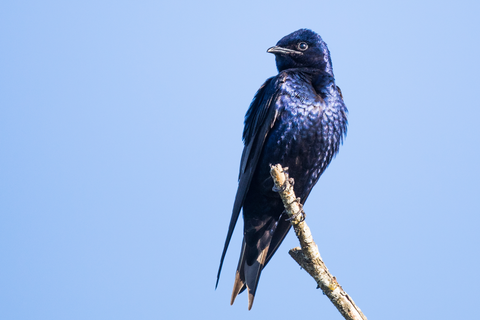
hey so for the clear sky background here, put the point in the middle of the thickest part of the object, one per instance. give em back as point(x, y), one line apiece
point(120, 141)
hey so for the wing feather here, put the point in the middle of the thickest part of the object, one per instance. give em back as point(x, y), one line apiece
point(259, 119)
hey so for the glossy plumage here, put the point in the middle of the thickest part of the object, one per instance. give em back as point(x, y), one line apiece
point(297, 119)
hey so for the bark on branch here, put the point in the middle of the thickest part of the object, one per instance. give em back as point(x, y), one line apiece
point(308, 256)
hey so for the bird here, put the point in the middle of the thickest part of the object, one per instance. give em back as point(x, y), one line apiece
point(298, 119)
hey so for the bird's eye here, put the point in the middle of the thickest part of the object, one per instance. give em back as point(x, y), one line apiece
point(302, 46)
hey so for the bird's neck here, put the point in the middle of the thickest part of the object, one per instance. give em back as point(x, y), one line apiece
point(324, 83)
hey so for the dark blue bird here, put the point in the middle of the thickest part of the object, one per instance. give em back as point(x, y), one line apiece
point(297, 119)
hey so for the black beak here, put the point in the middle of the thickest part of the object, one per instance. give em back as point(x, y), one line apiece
point(281, 50)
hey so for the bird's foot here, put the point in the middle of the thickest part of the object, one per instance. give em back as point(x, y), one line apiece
point(284, 185)
point(281, 189)
point(291, 180)
point(300, 212)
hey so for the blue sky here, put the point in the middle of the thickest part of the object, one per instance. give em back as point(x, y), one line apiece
point(120, 139)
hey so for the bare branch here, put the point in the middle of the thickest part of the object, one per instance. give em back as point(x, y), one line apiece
point(308, 256)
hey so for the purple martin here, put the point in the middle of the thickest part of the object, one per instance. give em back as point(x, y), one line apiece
point(298, 119)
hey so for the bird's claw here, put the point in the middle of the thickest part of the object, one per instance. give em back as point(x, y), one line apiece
point(291, 180)
point(300, 212)
point(281, 189)
point(284, 185)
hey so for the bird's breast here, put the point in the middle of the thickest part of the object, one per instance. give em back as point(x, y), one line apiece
point(300, 126)
point(307, 132)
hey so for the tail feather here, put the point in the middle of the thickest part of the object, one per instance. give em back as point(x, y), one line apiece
point(258, 255)
point(239, 284)
point(281, 230)
point(247, 276)
point(252, 275)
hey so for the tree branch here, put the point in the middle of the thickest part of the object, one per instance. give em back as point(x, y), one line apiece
point(308, 256)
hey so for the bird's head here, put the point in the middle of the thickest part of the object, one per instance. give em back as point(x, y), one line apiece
point(302, 49)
